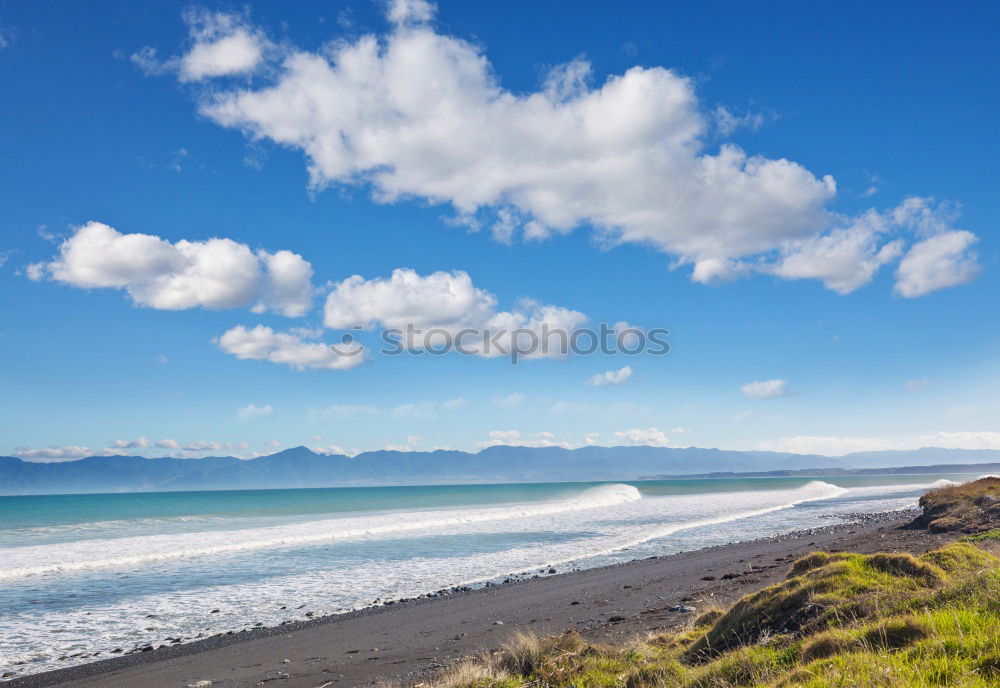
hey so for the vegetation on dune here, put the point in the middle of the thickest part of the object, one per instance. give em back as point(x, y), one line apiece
point(970, 507)
point(837, 620)
point(892, 620)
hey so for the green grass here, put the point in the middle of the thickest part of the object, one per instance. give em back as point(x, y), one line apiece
point(990, 535)
point(842, 620)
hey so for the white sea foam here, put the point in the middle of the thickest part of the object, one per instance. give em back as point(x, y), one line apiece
point(78, 556)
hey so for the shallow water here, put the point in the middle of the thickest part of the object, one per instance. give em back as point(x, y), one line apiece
point(81, 574)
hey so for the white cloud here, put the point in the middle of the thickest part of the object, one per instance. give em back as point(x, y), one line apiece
point(402, 11)
point(727, 122)
point(454, 404)
point(253, 412)
point(425, 410)
point(446, 300)
point(512, 400)
point(639, 436)
point(215, 273)
point(450, 303)
point(917, 384)
point(237, 53)
point(833, 445)
point(205, 446)
point(574, 408)
point(332, 449)
point(943, 258)
point(611, 377)
point(139, 443)
point(411, 444)
point(53, 453)
point(936, 263)
point(221, 45)
point(827, 445)
point(341, 412)
point(515, 438)
point(421, 114)
point(765, 389)
point(168, 443)
point(844, 259)
point(264, 344)
point(963, 440)
point(147, 60)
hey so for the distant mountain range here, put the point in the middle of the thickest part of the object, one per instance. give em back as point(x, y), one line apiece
point(302, 467)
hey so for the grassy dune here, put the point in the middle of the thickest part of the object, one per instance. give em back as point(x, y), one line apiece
point(893, 620)
point(971, 507)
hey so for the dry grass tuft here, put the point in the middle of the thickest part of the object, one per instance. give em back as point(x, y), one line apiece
point(812, 561)
point(902, 564)
point(708, 617)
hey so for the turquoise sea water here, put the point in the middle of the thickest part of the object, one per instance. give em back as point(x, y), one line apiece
point(86, 574)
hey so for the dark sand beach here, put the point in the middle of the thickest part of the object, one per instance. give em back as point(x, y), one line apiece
point(410, 640)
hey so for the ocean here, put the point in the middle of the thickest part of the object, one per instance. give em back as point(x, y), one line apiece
point(84, 575)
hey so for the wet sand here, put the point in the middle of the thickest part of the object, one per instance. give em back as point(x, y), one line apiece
point(410, 640)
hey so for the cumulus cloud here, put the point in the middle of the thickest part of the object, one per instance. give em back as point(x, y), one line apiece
point(849, 255)
point(446, 300)
point(936, 263)
point(264, 344)
point(765, 389)
point(611, 377)
point(221, 45)
point(450, 303)
point(224, 45)
point(168, 443)
point(139, 443)
point(418, 113)
point(402, 11)
point(643, 436)
point(943, 258)
point(215, 273)
point(253, 412)
point(843, 259)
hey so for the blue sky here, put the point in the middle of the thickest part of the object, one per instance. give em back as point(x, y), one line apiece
point(804, 197)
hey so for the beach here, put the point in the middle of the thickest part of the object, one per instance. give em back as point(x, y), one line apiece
point(410, 640)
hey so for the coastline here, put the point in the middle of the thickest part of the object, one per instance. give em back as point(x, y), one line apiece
point(409, 639)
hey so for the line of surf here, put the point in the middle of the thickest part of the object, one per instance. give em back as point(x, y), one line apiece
point(73, 556)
